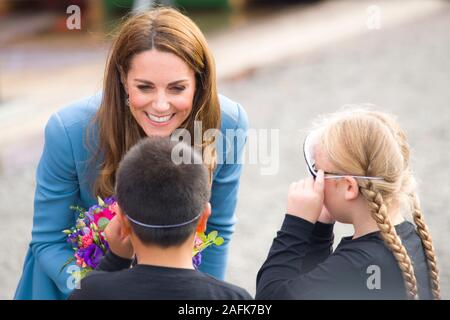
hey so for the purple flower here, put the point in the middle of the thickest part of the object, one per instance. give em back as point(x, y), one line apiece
point(109, 201)
point(93, 210)
point(196, 260)
point(73, 238)
point(91, 255)
point(89, 218)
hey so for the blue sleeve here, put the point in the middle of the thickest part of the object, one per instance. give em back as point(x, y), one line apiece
point(224, 194)
point(56, 190)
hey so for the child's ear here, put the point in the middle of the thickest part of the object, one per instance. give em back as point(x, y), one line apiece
point(351, 188)
point(125, 229)
point(201, 226)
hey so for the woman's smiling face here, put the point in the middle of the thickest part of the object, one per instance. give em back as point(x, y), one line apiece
point(161, 88)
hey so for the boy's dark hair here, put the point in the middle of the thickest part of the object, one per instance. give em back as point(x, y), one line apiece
point(152, 189)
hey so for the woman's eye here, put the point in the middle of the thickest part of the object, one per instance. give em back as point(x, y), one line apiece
point(144, 87)
point(178, 88)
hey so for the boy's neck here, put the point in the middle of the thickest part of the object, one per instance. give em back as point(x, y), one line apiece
point(171, 257)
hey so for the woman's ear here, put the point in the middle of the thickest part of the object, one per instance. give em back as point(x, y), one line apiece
point(201, 226)
point(351, 188)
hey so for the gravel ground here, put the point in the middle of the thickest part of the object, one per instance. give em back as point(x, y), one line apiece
point(405, 70)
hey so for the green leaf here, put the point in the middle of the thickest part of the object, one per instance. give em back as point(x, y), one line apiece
point(79, 209)
point(69, 261)
point(100, 201)
point(67, 232)
point(219, 241)
point(102, 246)
point(80, 224)
point(93, 226)
point(202, 237)
point(212, 235)
point(84, 272)
point(102, 223)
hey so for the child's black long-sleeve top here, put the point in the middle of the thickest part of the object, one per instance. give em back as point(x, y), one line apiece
point(115, 280)
point(302, 265)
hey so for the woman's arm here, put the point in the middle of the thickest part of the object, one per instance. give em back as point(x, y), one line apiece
point(57, 188)
point(224, 194)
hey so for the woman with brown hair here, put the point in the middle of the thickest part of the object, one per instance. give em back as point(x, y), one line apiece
point(159, 78)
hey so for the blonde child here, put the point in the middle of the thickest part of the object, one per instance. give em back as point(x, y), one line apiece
point(361, 175)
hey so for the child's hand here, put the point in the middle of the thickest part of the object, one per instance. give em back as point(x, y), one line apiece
point(305, 198)
point(119, 243)
point(326, 217)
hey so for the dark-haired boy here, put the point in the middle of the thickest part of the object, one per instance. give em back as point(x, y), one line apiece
point(161, 205)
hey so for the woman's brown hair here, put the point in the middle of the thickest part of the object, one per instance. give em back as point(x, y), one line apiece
point(167, 30)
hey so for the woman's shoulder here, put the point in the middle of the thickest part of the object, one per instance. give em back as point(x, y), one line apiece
point(233, 114)
point(65, 131)
point(79, 113)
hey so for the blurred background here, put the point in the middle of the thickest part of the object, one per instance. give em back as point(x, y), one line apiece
point(285, 61)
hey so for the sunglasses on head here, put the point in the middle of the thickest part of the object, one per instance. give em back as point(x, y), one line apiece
point(308, 153)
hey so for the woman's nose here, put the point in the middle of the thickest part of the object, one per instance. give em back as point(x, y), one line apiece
point(160, 104)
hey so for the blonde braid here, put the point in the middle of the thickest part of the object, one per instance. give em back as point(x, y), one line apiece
point(424, 234)
point(390, 237)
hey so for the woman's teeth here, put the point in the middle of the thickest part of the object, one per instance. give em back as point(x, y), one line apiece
point(159, 119)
